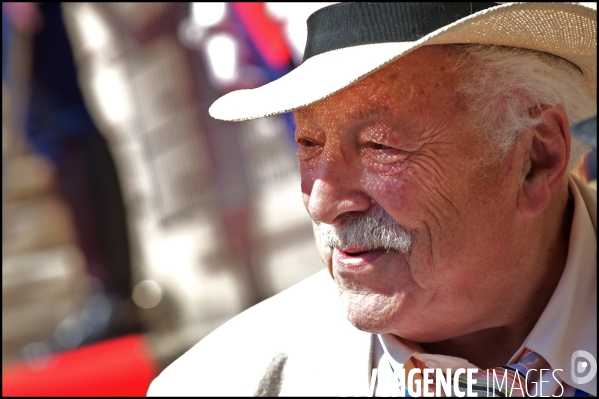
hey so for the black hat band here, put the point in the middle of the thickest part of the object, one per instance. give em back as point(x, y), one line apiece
point(352, 24)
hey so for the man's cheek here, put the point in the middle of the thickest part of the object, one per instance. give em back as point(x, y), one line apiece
point(429, 190)
point(397, 196)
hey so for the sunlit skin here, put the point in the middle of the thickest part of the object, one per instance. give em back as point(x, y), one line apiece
point(489, 239)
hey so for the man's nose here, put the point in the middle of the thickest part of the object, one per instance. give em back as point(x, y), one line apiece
point(337, 189)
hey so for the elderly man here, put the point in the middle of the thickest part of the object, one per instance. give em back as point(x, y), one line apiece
point(434, 150)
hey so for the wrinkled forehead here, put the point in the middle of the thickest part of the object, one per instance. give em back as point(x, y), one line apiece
point(425, 78)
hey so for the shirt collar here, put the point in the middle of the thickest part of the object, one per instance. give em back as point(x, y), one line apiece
point(569, 321)
point(398, 351)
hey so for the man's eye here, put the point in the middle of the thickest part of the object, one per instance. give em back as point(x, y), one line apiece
point(381, 154)
point(377, 146)
point(308, 149)
point(306, 143)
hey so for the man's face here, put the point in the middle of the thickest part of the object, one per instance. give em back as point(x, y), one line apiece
point(397, 149)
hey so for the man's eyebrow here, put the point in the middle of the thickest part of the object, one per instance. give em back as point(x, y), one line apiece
point(376, 110)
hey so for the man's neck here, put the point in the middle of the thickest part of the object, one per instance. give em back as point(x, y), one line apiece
point(486, 349)
point(495, 347)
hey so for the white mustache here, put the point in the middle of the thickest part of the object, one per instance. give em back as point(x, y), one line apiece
point(373, 230)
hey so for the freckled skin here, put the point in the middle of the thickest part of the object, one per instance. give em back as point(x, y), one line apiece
point(403, 139)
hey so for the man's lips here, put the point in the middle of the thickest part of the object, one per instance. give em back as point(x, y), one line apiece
point(355, 258)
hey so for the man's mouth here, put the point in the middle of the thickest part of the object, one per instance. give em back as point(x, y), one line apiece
point(354, 251)
point(354, 259)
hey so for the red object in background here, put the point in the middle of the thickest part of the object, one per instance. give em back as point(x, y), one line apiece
point(117, 367)
point(264, 33)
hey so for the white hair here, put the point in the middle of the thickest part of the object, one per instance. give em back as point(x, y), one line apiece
point(505, 86)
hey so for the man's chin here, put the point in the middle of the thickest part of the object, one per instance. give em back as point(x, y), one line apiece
point(370, 312)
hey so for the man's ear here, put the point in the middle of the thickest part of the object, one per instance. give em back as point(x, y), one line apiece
point(546, 153)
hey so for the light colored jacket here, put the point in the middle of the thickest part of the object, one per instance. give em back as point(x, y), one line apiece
point(295, 343)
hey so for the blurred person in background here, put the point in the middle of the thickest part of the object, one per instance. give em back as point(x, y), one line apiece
point(266, 44)
point(586, 131)
point(437, 175)
point(250, 45)
point(59, 127)
point(240, 47)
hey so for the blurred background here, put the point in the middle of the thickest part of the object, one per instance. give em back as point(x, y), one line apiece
point(133, 223)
